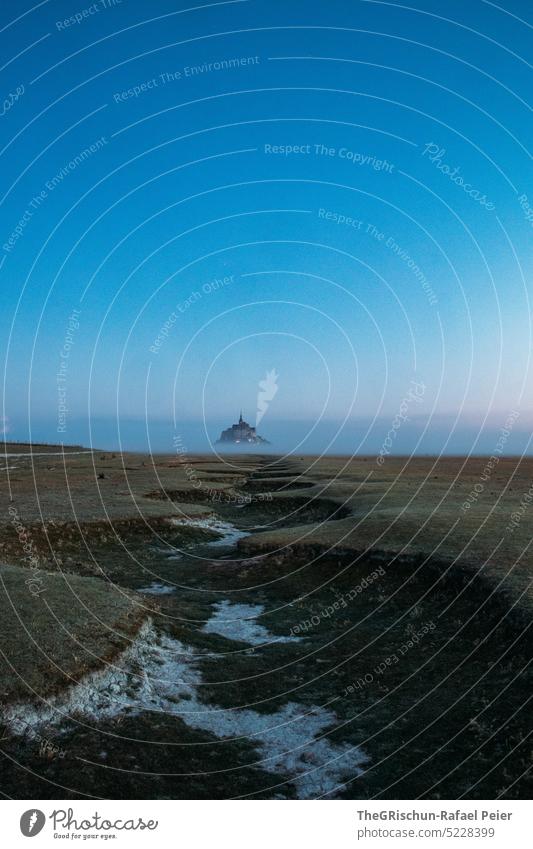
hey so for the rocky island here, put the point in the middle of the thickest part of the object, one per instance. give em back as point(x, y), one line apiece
point(241, 432)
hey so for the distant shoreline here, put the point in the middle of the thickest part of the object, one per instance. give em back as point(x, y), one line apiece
point(8, 447)
point(45, 447)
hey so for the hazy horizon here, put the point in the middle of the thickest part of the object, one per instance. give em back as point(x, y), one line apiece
point(362, 437)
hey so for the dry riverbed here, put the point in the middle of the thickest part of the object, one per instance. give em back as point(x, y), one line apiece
point(264, 628)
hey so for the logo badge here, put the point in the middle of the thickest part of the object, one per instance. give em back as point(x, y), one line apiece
point(32, 822)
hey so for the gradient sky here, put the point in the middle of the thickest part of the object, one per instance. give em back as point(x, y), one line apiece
point(182, 191)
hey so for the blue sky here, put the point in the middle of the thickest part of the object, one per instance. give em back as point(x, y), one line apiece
point(335, 191)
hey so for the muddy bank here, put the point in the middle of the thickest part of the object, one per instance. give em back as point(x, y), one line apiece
point(195, 495)
point(54, 628)
point(275, 484)
point(282, 511)
point(81, 547)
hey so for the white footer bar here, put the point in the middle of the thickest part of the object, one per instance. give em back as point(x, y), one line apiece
point(265, 824)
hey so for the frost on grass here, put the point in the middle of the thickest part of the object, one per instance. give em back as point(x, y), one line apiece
point(169, 552)
point(229, 534)
point(157, 588)
point(238, 622)
point(160, 675)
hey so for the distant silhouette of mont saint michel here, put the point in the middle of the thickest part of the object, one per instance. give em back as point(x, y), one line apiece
point(241, 432)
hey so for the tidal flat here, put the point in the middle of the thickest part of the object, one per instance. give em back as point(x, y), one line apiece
point(253, 626)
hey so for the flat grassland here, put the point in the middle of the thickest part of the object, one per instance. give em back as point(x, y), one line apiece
point(397, 595)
